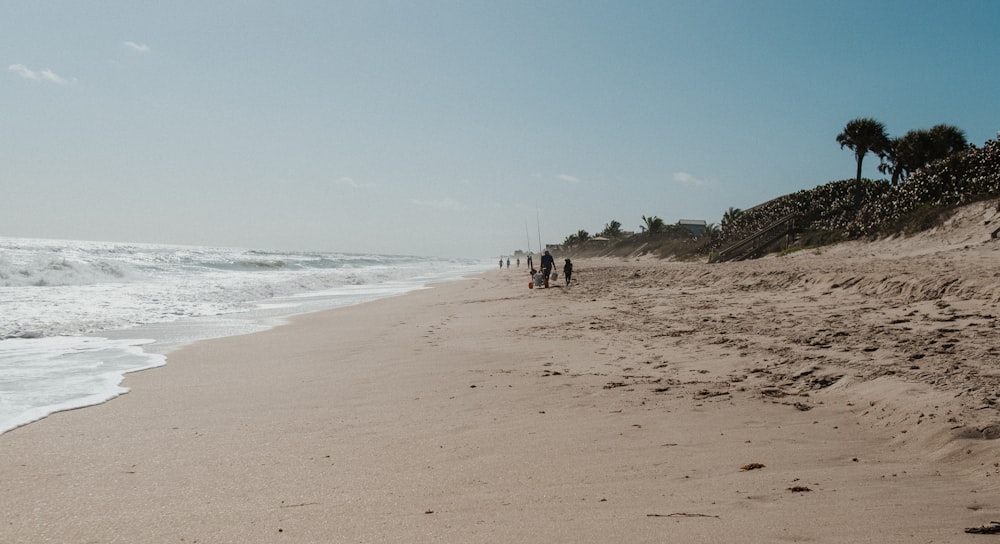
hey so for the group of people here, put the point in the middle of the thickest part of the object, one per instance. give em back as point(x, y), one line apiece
point(548, 263)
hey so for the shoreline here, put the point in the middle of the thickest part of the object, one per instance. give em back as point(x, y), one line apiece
point(70, 368)
point(621, 408)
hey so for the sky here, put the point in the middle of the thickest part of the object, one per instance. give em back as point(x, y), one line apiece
point(456, 128)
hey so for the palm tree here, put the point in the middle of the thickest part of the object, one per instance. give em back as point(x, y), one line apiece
point(908, 153)
point(918, 148)
point(864, 135)
point(612, 229)
point(712, 231)
point(652, 225)
point(731, 215)
point(891, 162)
point(582, 236)
point(947, 139)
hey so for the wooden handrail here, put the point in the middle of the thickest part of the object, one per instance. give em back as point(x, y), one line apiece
point(739, 251)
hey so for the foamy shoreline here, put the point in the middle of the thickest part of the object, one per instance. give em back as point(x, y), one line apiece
point(73, 314)
point(622, 408)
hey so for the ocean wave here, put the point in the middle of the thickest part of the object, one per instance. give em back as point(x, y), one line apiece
point(56, 270)
point(59, 298)
point(50, 288)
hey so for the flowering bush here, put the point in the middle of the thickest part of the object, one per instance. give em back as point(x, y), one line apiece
point(854, 209)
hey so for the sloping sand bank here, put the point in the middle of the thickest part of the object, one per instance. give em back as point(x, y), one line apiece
point(842, 396)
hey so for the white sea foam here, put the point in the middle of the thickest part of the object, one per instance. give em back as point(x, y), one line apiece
point(45, 375)
point(64, 305)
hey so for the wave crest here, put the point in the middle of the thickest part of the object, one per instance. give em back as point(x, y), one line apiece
point(56, 270)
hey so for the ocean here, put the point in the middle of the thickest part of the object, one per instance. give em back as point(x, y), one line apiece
point(76, 316)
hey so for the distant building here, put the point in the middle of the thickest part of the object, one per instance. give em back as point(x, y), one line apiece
point(696, 226)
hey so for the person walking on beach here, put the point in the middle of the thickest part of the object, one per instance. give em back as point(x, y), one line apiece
point(567, 271)
point(530, 263)
point(508, 262)
point(548, 263)
point(501, 263)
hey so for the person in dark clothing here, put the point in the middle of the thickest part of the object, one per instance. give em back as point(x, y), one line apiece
point(567, 271)
point(548, 263)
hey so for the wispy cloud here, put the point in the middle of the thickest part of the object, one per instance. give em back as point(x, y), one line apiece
point(443, 204)
point(350, 182)
point(568, 178)
point(137, 47)
point(688, 179)
point(37, 75)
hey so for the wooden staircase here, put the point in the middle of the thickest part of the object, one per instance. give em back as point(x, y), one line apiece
point(751, 246)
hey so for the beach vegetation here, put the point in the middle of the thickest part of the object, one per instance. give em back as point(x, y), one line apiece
point(852, 209)
point(732, 215)
point(790, 250)
point(581, 237)
point(652, 225)
point(918, 148)
point(925, 217)
point(612, 230)
point(947, 173)
point(817, 238)
point(712, 230)
point(863, 136)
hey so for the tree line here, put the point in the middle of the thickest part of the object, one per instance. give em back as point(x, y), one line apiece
point(652, 226)
point(900, 157)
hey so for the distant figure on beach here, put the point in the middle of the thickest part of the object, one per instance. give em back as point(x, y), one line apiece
point(531, 265)
point(501, 263)
point(519, 262)
point(508, 262)
point(548, 263)
point(567, 271)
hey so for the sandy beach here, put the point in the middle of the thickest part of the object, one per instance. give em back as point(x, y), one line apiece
point(847, 394)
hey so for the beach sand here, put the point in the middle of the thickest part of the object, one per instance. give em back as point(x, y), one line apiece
point(842, 395)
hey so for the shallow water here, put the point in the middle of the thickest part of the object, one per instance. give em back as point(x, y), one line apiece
point(76, 316)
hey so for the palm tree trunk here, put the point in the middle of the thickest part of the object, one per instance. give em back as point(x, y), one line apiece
point(861, 157)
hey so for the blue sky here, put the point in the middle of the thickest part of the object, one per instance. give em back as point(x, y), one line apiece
point(447, 128)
